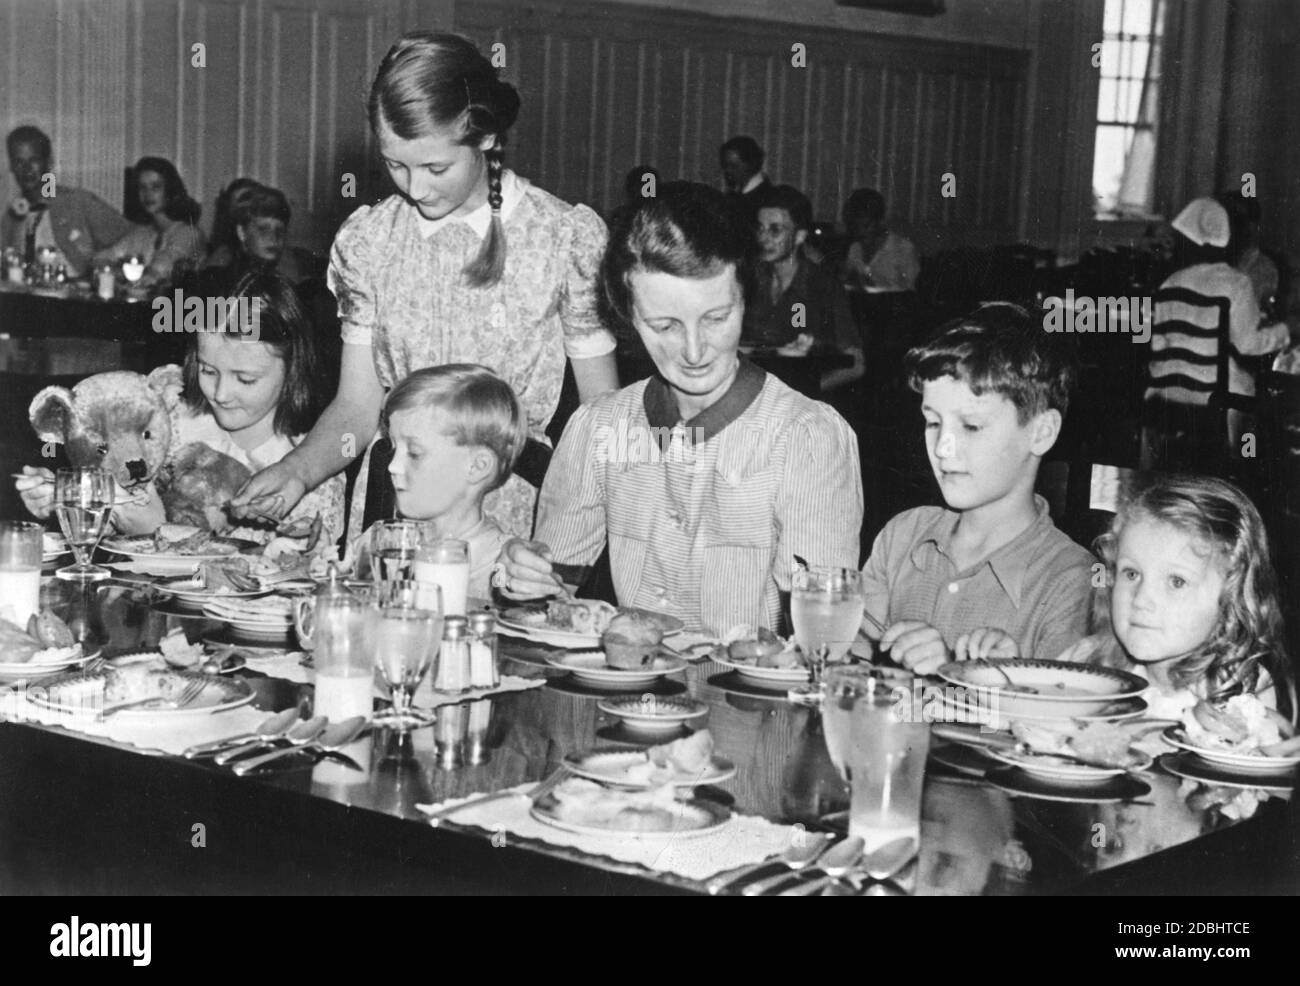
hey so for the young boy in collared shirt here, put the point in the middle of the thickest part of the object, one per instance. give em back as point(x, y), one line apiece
point(991, 576)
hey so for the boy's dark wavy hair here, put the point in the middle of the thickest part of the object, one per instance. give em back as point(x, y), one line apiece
point(1001, 348)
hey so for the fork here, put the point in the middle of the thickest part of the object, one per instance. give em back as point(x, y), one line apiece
point(185, 699)
point(536, 794)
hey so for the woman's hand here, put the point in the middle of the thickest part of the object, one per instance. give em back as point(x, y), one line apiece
point(986, 642)
point(269, 495)
point(36, 488)
point(524, 570)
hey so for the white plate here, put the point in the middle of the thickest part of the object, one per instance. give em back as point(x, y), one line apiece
point(1193, 768)
point(609, 765)
point(694, 818)
point(1128, 708)
point(653, 715)
point(142, 549)
point(580, 641)
point(192, 590)
point(76, 692)
point(1108, 791)
point(15, 671)
point(1066, 771)
point(590, 668)
point(1241, 763)
point(1066, 690)
point(765, 676)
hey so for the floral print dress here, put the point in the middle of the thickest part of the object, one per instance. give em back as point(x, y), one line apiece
point(400, 289)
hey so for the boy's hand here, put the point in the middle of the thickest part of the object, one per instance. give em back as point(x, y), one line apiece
point(36, 488)
point(524, 570)
point(986, 642)
point(917, 646)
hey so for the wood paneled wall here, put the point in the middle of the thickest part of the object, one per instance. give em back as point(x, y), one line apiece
point(606, 88)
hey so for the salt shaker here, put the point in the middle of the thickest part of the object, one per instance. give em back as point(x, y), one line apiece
point(14, 268)
point(105, 282)
point(453, 659)
point(483, 651)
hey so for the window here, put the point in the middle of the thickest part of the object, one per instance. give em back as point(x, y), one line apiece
point(1123, 164)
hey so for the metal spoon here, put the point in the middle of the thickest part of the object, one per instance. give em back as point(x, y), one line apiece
point(331, 739)
point(840, 860)
point(271, 729)
point(984, 662)
point(797, 856)
point(298, 734)
point(794, 866)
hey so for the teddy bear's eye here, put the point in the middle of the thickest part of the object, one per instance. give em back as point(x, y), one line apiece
point(102, 449)
point(147, 435)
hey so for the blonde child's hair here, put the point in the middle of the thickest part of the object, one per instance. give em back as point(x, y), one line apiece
point(479, 408)
point(1248, 634)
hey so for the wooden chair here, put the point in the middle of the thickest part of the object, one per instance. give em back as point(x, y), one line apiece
point(1190, 357)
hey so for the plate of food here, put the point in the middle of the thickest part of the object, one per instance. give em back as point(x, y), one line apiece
point(1191, 767)
point(686, 762)
point(266, 617)
point(590, 808)
point(761, 657)
point(1241, 733)
point(1063, 770)
point(577, 623)
point(653, 715)
point(592, 668)
point(208, 584)
point(983, 709)
point(46, 646)
point(179, 545)
point(1024, 687)
point(1110, 790)
point(147, 680)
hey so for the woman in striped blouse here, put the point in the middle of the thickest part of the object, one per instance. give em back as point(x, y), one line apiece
point(707, 480)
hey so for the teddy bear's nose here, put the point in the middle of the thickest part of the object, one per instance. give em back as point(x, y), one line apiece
point(137, 469)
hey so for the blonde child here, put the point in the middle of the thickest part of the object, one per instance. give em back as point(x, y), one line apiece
point(457, 431)
point(1191, 602)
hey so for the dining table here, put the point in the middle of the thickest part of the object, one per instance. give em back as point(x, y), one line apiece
point(90, 814)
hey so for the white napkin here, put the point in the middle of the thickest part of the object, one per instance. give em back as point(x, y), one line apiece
point(743, 840)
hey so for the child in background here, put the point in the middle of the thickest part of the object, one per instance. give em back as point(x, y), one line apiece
point(991, 575)
point(457, 430)
point(1192, 601)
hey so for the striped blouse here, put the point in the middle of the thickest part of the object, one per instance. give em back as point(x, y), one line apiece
point(1248, 337)
point(703, 517)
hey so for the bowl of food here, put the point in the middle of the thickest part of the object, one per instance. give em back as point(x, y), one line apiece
point(1040, 689)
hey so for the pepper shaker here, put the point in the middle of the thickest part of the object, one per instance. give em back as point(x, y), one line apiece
point(453, 659)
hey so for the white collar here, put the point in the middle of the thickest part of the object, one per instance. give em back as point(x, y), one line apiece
point(512, 191)
point(753, 183)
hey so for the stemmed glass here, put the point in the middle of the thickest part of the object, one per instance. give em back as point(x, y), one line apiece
point(406, 638)
point(393, 545)
point(826, 610)
point(83, 500)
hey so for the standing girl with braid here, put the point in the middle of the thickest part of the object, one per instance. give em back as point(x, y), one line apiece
point(468, 263)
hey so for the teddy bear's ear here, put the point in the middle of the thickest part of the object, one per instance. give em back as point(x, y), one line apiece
point(51, 414)
point(169, 381)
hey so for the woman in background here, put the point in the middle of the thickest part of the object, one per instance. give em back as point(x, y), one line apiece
point(166, 218)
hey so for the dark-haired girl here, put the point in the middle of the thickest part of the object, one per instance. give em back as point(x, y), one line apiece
point(166, 220)
point(468, 263)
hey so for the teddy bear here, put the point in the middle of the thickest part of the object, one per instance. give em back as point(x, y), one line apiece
point(128, 424)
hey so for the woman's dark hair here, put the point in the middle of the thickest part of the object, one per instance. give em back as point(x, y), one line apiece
point(429, 82)
point(261, 201)
point(1243, 222)
point(686, 230)
point(747, 149)
point(864, 204)
point(1189, 254)
point(180, 207)
point(223, 217)
point(282, 324)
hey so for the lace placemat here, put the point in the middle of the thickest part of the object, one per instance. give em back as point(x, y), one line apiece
point(743, 840)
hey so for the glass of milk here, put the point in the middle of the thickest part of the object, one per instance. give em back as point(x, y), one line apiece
point(444, 564)
point(21, 546)
point(343, 655)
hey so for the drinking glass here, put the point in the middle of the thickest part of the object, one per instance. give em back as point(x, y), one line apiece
point(445, 564)
point(132, 269)
point(878, 740)
point(83, 499)
point(393, 544)
point(405, 638)
point(21, 548)
point(826, 610)
point(337, 627)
